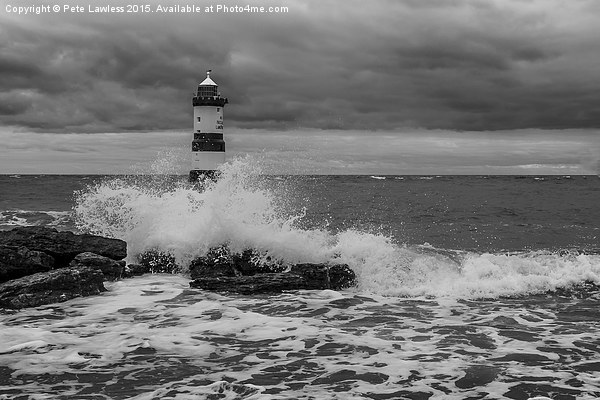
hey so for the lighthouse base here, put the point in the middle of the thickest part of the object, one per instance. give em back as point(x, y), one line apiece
point(197, 175)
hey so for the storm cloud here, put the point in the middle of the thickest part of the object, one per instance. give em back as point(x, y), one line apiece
point(388, 86)
point(453, 64)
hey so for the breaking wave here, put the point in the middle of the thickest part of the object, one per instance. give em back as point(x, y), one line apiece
point(244, 211)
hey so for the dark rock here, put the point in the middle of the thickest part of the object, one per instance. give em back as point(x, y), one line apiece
point(111, 269)
point(16, 262)
point(219, 261)
point(157, 261)
point(246, 263)
point(135, 270)
point(251, 272)
point(341, 276)
point(63, 246)
point(325, 276)
point(51, 287)
point(200, 268)
point(249, 262)
point(300, 276)
point(317, 274)
point(259, 283)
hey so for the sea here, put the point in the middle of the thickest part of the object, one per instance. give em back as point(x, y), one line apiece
point(468, 287)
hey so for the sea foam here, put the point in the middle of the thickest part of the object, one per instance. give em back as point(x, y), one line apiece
point(243, 210)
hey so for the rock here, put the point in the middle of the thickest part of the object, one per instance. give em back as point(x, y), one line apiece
point(156, 261)
point(111, 269)
point(51, 287)
point(219, 261)
point(16, 262)
point(199, 268)
point(248, 263)
point(341, 276)
point(316, 274)
point(300, 276)
point(245, 263)
point(259, 283)
point(63, 246)
point(325, 276)
point(132, 270)
point(247, 273)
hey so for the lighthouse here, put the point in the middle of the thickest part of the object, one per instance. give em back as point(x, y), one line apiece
point(208, 146)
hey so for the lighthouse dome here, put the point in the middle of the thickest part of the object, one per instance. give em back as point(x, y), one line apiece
point(208, 88)
point(208, 94)
point(208, 81)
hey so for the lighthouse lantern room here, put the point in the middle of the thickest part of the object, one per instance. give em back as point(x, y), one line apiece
point(208, 146)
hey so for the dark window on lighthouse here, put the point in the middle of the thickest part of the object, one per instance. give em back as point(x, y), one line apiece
point(198, 119)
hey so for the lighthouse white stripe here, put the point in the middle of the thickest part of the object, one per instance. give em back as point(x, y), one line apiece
point(207, 160)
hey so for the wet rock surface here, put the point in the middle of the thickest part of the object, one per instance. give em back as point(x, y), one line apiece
point(155, 261)
point(249, 272)
point(131, 270)
point(219, 261)
point(51, 287)
point(63, 246)
point(40, 265)
point(111, 269)
point(19, 261)
point(242, 273)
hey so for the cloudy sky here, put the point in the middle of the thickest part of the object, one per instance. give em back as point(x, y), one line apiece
point(378, 87)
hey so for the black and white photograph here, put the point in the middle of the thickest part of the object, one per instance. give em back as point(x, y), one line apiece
point(300, 199)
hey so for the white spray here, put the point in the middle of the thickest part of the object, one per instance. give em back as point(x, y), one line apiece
point(241, 211)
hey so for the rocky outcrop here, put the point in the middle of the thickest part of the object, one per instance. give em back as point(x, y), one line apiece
point(16, 262)
point(62, 265)
point(326, 276)
point(220, 261)
point(303, 276)
point(249, 272)
point(63, 246)
point(275, 282)
point(155, 261)
point(51, 287)
point(132, 270)
point(40, 265)
point(111, 269)
point(243, 273)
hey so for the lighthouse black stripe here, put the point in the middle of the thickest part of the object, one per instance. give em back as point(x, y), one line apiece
point(208, 145)
point(208, 136)
point(209, 101)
